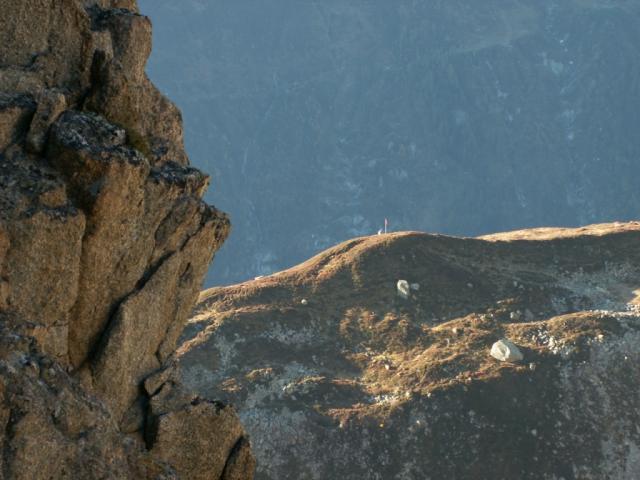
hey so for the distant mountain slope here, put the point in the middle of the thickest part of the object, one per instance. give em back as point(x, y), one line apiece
point(335, 375)
point(321, 118)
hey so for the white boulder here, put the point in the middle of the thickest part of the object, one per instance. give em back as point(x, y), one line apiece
point(403, 288)
point(506, 351)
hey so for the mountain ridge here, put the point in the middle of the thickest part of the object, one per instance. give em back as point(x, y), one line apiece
point(337, 375)
point(320, 119)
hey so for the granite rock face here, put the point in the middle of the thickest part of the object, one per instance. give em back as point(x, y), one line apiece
point(54, 429)
point(175, 413)
point(360, 383)
point(104, 243)
point(460, 117)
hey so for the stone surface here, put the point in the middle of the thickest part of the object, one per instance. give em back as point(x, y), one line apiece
point(241, 463)
point(52, 429)
point(404, 290)
point(175, 414)
point(362, 384)
point(50, 105)
point(506, 351)
point(104, 243)
point(15, 113)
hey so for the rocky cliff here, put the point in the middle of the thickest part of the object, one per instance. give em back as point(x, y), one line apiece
point(451, 116)
point(341, 371)
point(104, 242)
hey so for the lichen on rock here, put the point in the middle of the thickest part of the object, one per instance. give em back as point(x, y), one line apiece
point(104, 243)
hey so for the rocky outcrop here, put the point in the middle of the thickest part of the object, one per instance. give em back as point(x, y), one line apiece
point(176, 414)
point(336, 375)
point(53, 429)
point(104, 242)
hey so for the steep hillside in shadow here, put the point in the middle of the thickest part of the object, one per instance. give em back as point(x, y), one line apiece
point(338, 373)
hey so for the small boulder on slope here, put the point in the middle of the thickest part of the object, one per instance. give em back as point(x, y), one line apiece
point(403, 288)
point(506, 351)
